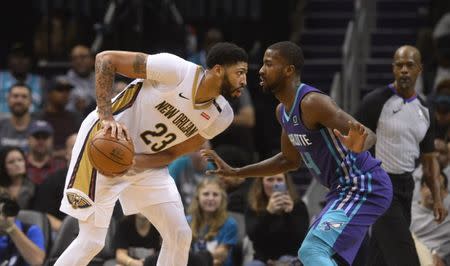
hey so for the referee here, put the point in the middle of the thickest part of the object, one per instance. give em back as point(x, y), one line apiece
point(405, 132)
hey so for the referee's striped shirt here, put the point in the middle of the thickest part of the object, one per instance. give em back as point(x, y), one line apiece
point(404, 128)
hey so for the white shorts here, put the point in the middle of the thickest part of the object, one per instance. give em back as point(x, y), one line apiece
point(134, 193)
point(88, 192)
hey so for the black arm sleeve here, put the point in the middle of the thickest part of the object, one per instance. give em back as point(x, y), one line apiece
point(427, 144)
point(370, 108)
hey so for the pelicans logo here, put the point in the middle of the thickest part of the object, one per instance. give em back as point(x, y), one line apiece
point(77, 201)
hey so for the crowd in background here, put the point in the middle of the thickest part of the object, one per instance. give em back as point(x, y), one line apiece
point(233, 221)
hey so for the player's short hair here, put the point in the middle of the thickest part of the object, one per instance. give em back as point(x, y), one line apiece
point(291, 52)
point(225, 54)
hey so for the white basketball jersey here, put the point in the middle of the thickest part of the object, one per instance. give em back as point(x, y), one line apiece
point(159, 112)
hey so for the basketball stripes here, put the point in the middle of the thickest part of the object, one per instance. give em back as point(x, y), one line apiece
point(84, 175)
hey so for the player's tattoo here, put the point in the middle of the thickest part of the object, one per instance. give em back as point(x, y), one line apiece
point(104, 77)
point(139, 63)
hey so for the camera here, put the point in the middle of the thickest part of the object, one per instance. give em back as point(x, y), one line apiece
point(8, 207)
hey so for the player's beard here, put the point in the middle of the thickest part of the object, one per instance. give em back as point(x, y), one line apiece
point(227, 89)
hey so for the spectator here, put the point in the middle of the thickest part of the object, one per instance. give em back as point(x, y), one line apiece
point(21, 244)
point(40, 161)
point(276, 219)
point(81, 76)
point(19, 66)
point(441, 46)
point(188, 171)
point(212, 36)
point(14, 130)
point(442, 148)
point(441, 104)
point(136, 240)
point(435, 236)
point(236, 188)
point(405, 133)
point(13, 176)
point(50, 192)
point(240, 132)
point(212, 228)
point(64, 122)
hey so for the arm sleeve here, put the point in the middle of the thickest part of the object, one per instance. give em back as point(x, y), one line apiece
point(36, 235)
point(427, 144)
point(367, 114)
point(166, 68)
point(222, 122)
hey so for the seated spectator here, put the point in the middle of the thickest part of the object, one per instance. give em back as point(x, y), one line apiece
point(54, 112)
point(19, 67)
point(40, 160)
point(14, 129)
point(50, 192)
point(188, 171)
point(441, 105)
point(434, 236)
point(81, 75)
point(13, 176)
point(276, 220)
point(240, 132)
point(21, 244)
point(136, 240)
point(236, 188)
point(212, 228)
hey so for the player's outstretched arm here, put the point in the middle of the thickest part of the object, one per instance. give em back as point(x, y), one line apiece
point(288, 159)
point(321, 110)
point(107, 64)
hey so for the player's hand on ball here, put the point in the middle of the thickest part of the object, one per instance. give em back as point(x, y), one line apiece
point(118, 130)
point(222, 168)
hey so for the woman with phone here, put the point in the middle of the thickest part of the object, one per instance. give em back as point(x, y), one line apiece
point(276, 220)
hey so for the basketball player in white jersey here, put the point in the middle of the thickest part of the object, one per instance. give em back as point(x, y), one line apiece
point(171, 109)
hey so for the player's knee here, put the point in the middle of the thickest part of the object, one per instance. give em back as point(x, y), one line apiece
point(184, 237)
point(94, 246)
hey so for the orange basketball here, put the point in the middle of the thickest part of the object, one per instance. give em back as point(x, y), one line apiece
point(110, 156)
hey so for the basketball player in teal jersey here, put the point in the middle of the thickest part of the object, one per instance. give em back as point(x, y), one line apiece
point(333, 145)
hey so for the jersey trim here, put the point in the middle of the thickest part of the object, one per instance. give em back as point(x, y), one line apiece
point(126, 99)
point(194, 91)
point(84, 175)
point(286, 116)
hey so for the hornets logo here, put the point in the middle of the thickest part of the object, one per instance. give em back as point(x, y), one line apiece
point(327, 226)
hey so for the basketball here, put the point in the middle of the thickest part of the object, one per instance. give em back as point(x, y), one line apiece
point(110, 156)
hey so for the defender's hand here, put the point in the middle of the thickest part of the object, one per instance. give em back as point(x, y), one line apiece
point(355, 138)
point(223, 169)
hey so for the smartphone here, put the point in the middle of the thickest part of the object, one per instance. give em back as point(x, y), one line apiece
point(279, 187)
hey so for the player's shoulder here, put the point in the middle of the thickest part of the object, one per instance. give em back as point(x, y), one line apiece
point(169, 57)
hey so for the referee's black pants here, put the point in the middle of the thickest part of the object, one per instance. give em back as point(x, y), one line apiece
point(391, 242)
